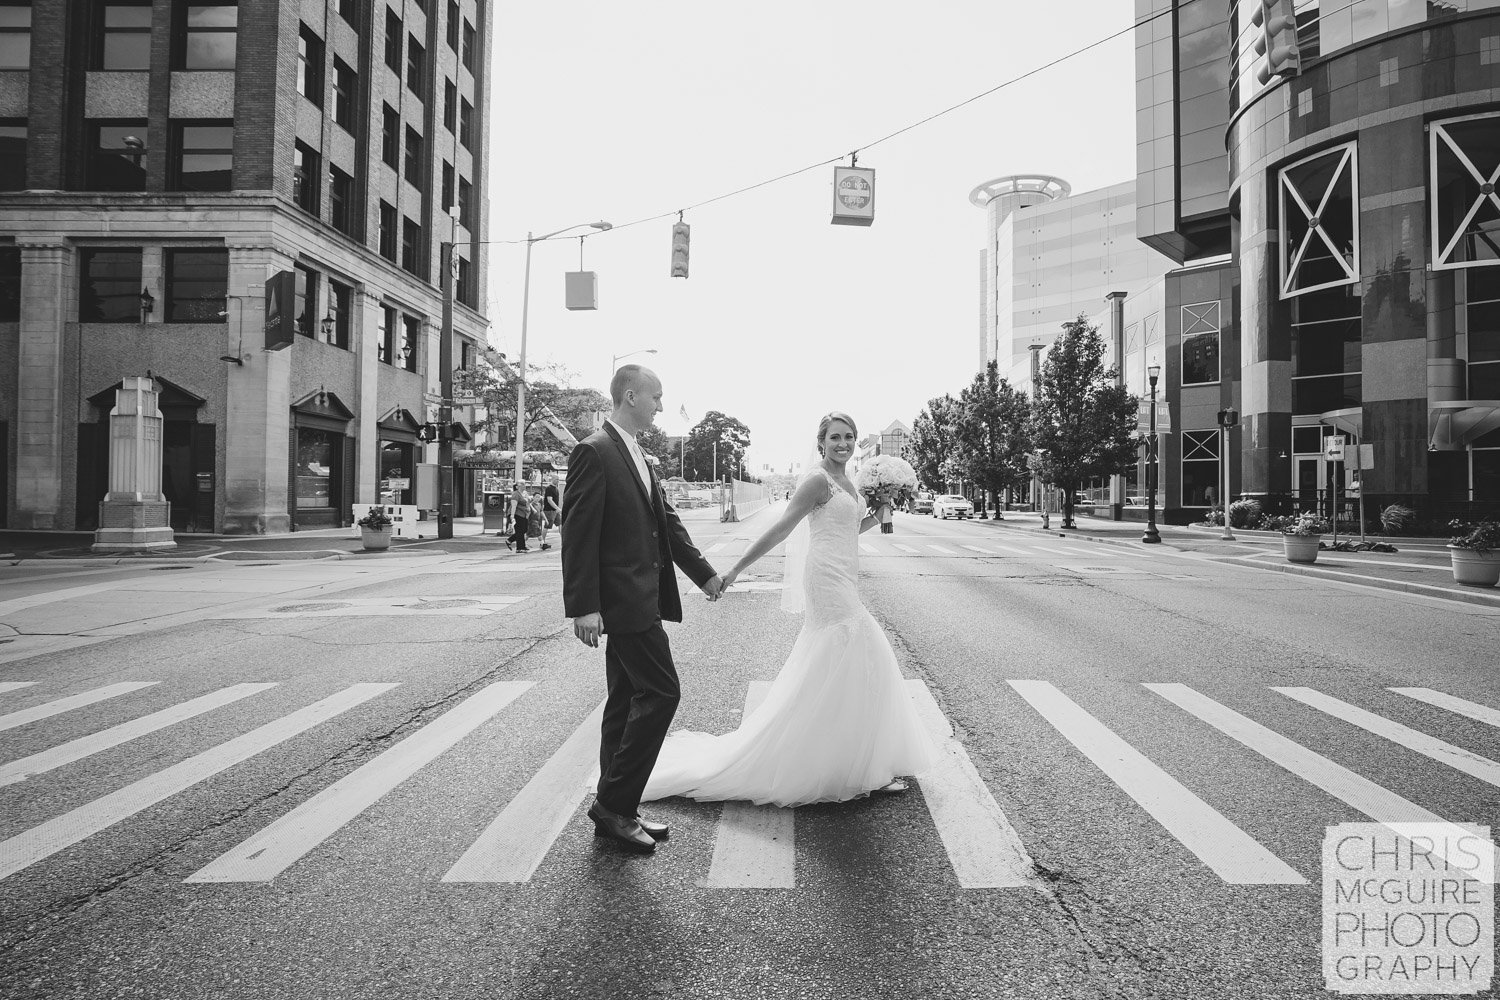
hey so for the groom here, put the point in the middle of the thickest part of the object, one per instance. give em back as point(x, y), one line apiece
point(620, 539)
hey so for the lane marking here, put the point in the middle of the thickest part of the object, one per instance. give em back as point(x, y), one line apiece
point(941, 550)
point(1472, 764)
point(513, 846)
point(905, 548)
point(1380, 804)
point(61, 705)
point(983, 848)
point(868, 549)
point(56, 596)
point(1057, 551)
point(715, 547)
point(1228, 851)
point(1471, 709)
point(86, 746)
point(754, 846)
point(976, 548)
point(26, 849)
point(1009, 550)
point(276, 848)
point(14, 685)
point(379, 607)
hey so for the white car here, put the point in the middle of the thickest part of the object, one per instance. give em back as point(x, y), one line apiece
point(947, 505)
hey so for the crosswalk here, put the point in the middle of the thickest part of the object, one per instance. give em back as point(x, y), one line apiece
point(755, 847)
point(907, 546)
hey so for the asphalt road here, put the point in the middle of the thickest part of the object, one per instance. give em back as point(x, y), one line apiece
point(252, 851)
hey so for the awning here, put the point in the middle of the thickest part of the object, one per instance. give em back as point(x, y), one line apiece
point(1453, 425)
point(1346, 421)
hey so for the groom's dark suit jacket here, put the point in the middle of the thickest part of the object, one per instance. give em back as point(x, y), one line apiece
point(620, 543)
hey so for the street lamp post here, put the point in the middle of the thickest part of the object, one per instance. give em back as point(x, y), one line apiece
point(1227, 420)
point(449, 253)
point(521, 371)
point(614, 361)
point(1151, 535)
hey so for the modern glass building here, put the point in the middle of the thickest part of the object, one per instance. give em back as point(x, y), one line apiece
point(1357, 204)
point(164, 163)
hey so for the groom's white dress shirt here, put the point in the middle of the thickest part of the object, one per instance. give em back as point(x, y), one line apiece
point(635, 453)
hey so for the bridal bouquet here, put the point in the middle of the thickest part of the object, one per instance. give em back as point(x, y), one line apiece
point(885, 480)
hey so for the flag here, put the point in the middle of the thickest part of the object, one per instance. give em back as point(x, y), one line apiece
point(685, 415)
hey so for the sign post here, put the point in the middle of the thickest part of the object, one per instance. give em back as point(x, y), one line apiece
point(1333, 451)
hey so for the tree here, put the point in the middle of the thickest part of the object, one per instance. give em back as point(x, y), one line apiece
point(733, 440)
point(932, 441)
point(1081, 421)
point(548, 398)
point(654, 442)
point(993, 433)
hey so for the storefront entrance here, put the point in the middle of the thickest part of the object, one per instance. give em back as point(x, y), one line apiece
point(320, 484)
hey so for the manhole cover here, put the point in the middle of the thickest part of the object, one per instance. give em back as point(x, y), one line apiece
point(295, 608)
point(456, 603)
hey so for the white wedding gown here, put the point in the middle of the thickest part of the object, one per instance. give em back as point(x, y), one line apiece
point(837, 721)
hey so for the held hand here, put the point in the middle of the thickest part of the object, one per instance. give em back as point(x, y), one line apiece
point(588, 628)
point(714, 588)
point(728, 580)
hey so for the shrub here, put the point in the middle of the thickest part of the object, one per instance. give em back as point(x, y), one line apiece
point(1303, 524)
point(1397, 519)
point(1481, 537)
point(376, 518)
point(1244, 513)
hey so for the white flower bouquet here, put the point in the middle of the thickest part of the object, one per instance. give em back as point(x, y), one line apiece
point(885, 480)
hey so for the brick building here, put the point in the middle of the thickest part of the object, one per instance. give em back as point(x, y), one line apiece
point(161, 161)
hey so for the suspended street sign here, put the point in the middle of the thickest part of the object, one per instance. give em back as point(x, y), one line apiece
point(853, 196)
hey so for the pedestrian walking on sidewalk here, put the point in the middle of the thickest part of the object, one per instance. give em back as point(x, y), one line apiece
point(551, 508)
point(519, 513)
point(620, 542)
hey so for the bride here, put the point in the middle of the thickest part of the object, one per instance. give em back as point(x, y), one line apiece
point(837, 722)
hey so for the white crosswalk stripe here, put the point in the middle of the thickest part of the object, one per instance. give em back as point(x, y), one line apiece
point(1477, 712)
point(36, 713)
point(981, 551)
point(715, 547)
point(905, 548)
point(755, 846)
point(86, 746)
point(26, 849)
point(277, 847)
point(14, 685)
point(1231, 853)
point(940, 550)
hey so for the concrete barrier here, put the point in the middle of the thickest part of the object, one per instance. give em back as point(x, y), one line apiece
point(742, 499)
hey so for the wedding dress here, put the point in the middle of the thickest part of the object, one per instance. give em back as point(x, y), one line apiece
point(837, 721)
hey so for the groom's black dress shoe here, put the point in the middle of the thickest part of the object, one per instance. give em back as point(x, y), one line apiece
point(623, 830)
point(656, 831)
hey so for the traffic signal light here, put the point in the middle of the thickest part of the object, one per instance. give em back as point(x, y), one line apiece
point(1278, 39)
point(427, 433)
point(680, 236)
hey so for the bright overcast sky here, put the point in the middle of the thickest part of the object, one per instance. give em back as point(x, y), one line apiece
point(623, 111)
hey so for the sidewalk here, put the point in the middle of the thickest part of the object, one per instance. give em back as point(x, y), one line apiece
point(1419, 566)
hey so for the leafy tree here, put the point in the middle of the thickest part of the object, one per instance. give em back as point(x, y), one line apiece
point(993, 433)
point(1083, 423)
point(733, 440)
point(549, 398)
point(932, 441)
point(654, 442)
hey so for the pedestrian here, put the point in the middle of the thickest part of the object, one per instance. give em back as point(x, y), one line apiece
point(518, 514)
point(551, 508)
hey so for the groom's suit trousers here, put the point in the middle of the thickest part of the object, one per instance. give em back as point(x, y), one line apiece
point(643, 697)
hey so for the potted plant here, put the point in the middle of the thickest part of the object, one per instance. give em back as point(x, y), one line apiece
point(1473, 551)
point(1301, 536)
point(375, 529)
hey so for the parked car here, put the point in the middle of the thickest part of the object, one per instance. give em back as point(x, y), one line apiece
point(921, 503)
point(948, 505)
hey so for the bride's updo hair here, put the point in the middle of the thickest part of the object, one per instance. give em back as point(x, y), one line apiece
point(828, 419)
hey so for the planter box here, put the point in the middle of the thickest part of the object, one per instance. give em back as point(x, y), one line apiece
point(375, 538)
point(1301, 548)
point(1474, 568)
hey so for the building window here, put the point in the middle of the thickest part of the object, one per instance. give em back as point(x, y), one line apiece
point(447, 185)
point(10, 285)
point(464, 290)
point(209, 34)
point(386, 347)
point(388, 231)
point(109, 285)
point(468, 51)
point(416, 68)
point(122, 39)
point(393, 33)
point(1200, 343)
point(1200, 466)
point(413, 156)
point(197, 286)
point(465, 124)
point(205, 157)
point(12, 154)
point(452, 25)
point(117, 158)
point(1465, 155)
point(349, 11)
point(1319, 222)
point(305, 178)
point(411, 337)
point(15, 36)
point(1326, 354)
point(465, 203)
point(1481, 312)
point(345, 87)
point(341, 201)
point(450, 105)
point(310, 66)
point(340, 300)
point(390, 135)
point(305, 308)
point(319, 453)
point(411, 247)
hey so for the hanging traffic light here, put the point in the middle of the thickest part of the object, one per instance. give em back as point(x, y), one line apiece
point(1278, 39)
point(681, 233)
